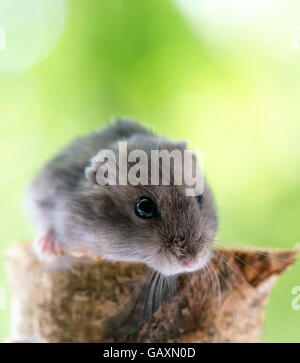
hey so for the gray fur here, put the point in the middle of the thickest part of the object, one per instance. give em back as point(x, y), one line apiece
point(66, 198)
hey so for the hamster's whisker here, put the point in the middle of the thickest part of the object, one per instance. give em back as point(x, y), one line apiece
point(235, 246)
point(249, 266)
point(217, 282)
point(149, 285)
point(226, 280)
point(213, 286)
point(160, 284)
point(235, 271)
point(169, 289)
point(152, 295)
point(203, 276)
point(206, 284)
point(139, 301)
point(156, 291)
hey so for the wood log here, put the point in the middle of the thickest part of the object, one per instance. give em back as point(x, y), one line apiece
point(126, 302)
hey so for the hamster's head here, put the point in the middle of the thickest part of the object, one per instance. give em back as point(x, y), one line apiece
point(158, 225)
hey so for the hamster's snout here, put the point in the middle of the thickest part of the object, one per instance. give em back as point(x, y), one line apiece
point(183, 248)
point(188, 263)
point(183, 255)
point(197, 262)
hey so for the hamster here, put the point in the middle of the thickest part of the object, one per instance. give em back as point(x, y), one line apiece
point(156, 225)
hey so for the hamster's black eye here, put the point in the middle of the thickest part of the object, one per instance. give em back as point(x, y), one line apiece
point(200, 200)
point(145, 208)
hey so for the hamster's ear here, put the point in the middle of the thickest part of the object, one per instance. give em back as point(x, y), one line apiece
point(91, 170)
point(102, 169)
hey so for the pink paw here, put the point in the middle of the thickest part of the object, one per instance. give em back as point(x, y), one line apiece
point(47, 247)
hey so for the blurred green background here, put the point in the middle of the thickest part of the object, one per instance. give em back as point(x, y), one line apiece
point(222, 75)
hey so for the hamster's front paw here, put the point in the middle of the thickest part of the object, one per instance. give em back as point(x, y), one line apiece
point(54, 255)
point(47, 247)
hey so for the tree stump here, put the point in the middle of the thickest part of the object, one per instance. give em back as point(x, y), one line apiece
point(125, 302)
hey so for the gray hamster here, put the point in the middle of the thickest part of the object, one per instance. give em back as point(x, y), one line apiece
point(157, 225)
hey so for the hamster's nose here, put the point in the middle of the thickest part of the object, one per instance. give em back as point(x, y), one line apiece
point(189, 263)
